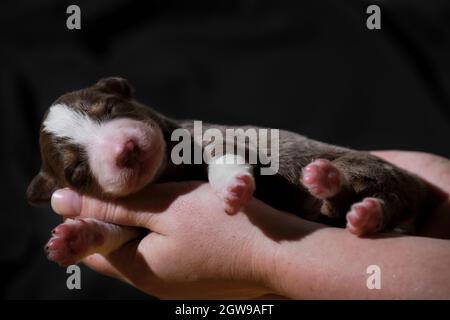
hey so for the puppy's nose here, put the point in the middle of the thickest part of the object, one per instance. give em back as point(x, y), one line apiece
point(128, 154)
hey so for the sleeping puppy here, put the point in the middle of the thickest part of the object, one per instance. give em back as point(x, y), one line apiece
point(101, 142)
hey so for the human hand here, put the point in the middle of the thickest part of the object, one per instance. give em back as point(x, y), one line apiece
point(195, 250)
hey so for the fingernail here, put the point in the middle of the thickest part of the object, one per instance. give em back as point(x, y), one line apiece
point(66, 202)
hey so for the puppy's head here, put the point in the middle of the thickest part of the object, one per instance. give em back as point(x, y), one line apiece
point(98, 141)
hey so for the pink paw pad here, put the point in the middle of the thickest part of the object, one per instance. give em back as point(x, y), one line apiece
point(322, 179)
point(71, 241)
point(238, 192)
point(365, 217)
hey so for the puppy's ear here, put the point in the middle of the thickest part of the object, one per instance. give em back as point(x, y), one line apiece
point(40, 190)
point(116, 85)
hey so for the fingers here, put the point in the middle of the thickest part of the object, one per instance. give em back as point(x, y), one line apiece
point(143, 209)
point(70, 204)
point(101, 265)
point(128, 263)
point(66, 203)
point(116, 264)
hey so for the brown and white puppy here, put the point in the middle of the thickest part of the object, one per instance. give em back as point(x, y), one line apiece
point(100, 141)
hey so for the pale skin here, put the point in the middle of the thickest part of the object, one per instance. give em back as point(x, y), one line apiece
point(196, 250)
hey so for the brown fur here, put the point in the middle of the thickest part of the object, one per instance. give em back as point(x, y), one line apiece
point(403, 194)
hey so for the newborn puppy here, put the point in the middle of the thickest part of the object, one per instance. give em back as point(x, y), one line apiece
point(101, 142)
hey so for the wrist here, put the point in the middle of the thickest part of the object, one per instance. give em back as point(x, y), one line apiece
point(290, 265)
point(279, 254)
point(278, 266)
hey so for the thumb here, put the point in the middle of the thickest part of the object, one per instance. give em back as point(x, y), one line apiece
point(68, 203)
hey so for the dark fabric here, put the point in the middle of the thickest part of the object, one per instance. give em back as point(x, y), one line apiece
point(308, 66)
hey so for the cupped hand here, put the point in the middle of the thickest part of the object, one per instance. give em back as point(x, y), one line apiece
point(194, 249)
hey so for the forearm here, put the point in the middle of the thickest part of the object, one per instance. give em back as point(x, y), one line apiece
point(330, 263)
point(430, 167)
point(436, 171)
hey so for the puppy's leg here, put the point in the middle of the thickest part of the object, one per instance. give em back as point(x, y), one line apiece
point(388, 198)
point(232, 179)
point(365, 209)
point(365, 217)
point(76, 239)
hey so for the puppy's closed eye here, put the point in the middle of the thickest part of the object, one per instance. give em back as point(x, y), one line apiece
point(78, 175)
point(76, 169)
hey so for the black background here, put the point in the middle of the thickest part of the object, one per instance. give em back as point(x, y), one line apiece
point(308, 66)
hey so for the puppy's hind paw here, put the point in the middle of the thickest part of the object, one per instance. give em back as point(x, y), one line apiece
point(71, 241)
point(365, 217)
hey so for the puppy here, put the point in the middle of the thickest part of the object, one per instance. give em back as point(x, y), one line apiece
point(101, 142)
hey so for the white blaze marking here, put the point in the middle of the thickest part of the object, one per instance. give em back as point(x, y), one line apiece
point(101, 139)
point(64, 122)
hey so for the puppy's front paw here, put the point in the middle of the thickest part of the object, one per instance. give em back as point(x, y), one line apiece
point(365, 217)
point(235, 190)
point(238, 192)
point(72, 241)
point(231, 178)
